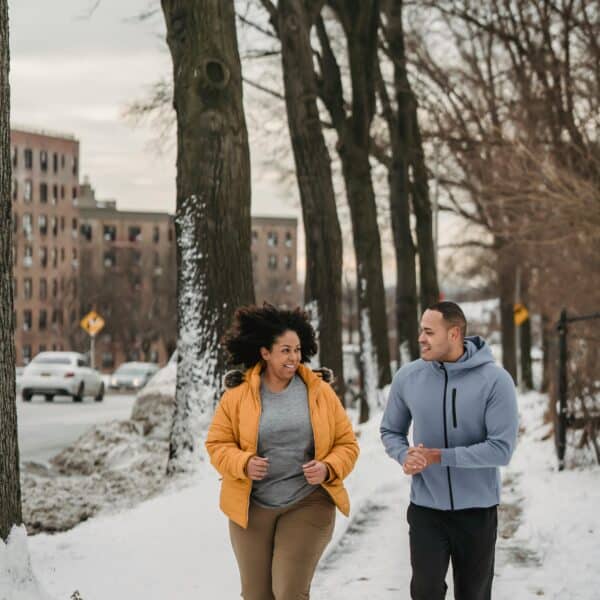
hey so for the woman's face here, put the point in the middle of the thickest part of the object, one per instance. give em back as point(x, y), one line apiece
point(283, 358)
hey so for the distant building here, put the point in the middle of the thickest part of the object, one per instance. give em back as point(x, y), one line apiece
point(45, 176)
point(73, 253)
point(274, 260)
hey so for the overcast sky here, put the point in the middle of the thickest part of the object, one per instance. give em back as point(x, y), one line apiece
point(75, 74)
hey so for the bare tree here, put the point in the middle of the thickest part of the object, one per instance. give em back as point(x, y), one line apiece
point(353, 127)
point(10, 487)
point(213, 225)
point(292, 20)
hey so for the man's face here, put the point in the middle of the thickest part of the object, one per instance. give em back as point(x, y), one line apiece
point(437, 340)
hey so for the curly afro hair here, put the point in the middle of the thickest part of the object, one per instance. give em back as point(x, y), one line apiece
point(256, 327)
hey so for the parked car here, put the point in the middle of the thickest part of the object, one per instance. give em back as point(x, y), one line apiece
point(132, 375)
point(61, 374)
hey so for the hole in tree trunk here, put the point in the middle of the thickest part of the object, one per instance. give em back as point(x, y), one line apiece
point(216, 73)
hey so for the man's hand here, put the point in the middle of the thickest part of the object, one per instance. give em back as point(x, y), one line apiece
point(419, 458)
point(257, 468)
point(315, 472)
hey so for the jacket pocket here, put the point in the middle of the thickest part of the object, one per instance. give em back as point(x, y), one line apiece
point(454, 420)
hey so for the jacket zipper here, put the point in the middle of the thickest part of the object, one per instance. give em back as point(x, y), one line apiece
point(454, 420)
point(255, 451)
point(446, 435)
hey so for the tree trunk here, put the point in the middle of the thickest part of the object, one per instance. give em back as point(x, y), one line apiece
point(429, 289)
point(212, 222)
point(546, 354)
point(360, 22)
point(526, 370)
point(506, 287)
point(323, 288)
point(10, 486)
point(400, 126)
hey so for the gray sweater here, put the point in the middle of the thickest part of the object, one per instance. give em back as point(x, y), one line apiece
point(286, 438)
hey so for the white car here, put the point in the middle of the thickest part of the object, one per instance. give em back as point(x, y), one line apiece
point(61, 374)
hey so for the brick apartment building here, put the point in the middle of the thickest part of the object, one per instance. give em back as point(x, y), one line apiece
point(274, 260)
point(73, 253)
point(45, 248)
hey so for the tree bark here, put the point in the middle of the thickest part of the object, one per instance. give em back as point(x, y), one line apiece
point(323, 286)
point(213, 225)
point(400, 127)
point(525, 338)
point(10, 486)
point(506, 287)
point(360, 22)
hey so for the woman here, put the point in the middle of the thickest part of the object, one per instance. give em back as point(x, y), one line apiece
point(283, 444)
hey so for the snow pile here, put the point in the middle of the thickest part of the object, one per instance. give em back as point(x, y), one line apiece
point(17, 580)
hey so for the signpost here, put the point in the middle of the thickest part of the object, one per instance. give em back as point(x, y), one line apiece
point(93, 324)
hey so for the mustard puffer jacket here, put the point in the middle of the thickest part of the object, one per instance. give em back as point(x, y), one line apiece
point(233, 438)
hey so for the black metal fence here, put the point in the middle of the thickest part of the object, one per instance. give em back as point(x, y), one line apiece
point(565, 414)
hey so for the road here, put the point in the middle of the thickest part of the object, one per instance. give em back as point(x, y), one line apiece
point(45, 428)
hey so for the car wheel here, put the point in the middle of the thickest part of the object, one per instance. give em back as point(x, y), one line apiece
point(78, 397)
point(26, 395)
point(49, 397)
point(100, 395)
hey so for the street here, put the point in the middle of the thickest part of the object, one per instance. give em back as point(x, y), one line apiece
point(45, 428)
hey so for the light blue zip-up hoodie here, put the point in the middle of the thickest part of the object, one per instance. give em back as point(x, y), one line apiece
point(468, 409)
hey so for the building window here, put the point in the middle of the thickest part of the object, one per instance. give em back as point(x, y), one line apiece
point(15, 154)
point(272, 238)
point(27, 319)
point(43, 224)
point(27, 222)
point(288, 239)
point(135, 234)
point(42, 347)
point(156, 259)
point(62, 192)
point(43, 289)
point(62, 161)
point(288, 287)
point(272, 261)
point(28, 155)
point(108, 361)
point(55, 162)
point(28, 191)
point(109, 232)
point(110, 259)
point(86, 231)
point(54, 194)
point(27, 288)
point(74, 253)
point(43, 193)
point(28, 256)
point(156, 235)
point(136, 257)
point(74, 193)
point(56, 317)
point(54, 288)
point(43, 257)
point(26, 353)
point(54, 258)
point(62, 255)
point(15, 189)
point(170, 235)
point(75, 165)
point(254, 236)
point(62, 223)
point(43, 319)
point(287, 261)
point(43, 160)
point(54, 226)
point(74, 227)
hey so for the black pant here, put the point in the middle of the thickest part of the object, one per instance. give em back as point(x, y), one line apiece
point(467, 537)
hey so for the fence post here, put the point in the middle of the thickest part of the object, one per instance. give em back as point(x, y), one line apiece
point(561, 408)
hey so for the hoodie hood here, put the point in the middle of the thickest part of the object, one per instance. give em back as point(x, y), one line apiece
point(477, 353)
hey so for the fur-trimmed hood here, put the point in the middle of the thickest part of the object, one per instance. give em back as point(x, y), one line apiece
point(235, 377)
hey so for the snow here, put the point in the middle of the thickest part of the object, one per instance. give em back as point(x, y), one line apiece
point(176, 544)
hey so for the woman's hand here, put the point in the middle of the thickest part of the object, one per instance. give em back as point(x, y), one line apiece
point(257, 468)
point(315, 472)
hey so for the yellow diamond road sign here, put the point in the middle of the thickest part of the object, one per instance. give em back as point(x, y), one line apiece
point(92, 322)
point(521, 314)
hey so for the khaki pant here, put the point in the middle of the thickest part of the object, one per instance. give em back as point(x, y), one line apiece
point(278, 553)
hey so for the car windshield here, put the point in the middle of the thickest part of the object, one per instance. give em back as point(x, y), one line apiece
point(132, 370)
point(52, 360)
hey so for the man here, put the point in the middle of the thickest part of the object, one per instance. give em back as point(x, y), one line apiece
point(463, 410)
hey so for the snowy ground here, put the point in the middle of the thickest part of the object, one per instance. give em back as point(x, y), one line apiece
point(176, 544)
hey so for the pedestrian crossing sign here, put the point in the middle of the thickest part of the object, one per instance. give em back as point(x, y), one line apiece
point(92, 323)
